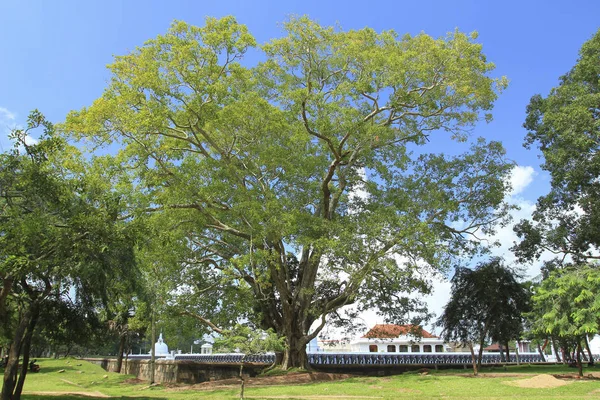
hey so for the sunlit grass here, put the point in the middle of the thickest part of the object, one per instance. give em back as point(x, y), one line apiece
point(80, 376)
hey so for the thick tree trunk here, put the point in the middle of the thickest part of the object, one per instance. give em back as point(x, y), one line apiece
point(501, 346)
point(507, 353)
point(295, 355)
point(10, 372)
point(122, 341)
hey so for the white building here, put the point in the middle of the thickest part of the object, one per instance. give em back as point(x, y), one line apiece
point(390, 338)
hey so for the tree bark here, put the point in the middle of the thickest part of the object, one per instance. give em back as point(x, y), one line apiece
point(243, 382)
point(501, 346)
point(480, 356)
point(579, 363)
point(556, 352)
point(122, 341)
point(565, 354)
point(26, 350)
point(10, 372)
point(507, 352)
point(539, 348)
point(473, 359)
point(295, 355)
point(589, 351)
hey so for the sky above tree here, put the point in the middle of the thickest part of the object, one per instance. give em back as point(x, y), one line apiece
point(54, 56)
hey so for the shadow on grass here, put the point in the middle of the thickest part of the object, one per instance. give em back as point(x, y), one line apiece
point(80, 397)
point(47, 370)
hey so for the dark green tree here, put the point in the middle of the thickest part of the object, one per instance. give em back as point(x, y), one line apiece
point(486, 303)
point(59, 234)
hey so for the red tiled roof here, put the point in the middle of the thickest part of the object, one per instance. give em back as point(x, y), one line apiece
point(389, 331)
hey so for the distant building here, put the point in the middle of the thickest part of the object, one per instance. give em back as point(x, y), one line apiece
point(391, 338)
point(334, 346)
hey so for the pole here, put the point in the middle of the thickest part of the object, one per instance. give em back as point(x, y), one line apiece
point(153, 354)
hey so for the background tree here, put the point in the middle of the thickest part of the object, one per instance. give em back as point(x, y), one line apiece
point(486, 303)
point(565, 126)
point(58, 235)
point(65, 327)
point(566, 305)
point(250, 164)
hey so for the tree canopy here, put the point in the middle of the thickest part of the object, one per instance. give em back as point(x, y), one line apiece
point(59, 238)
point(566, 305)
point(565, 126)
point(486, 303)
point(289, 186)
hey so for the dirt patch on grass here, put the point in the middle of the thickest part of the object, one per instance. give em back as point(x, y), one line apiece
point(296, 378)
point(84, 394)
point(543, 381)
point(134, 381)
point(407, 390)
point(324, 397)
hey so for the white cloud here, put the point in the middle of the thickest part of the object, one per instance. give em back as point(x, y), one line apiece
point(520, 178)
point(30, 141)
point(8, 122)
point(6, 115)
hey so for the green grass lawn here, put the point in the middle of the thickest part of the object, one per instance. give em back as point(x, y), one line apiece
point(448, 384)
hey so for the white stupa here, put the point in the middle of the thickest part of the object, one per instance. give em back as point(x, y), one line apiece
point(160, 347)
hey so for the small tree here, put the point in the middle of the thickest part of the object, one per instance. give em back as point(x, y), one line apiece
point(486, 303)
point(567, 305)
point(249, 341)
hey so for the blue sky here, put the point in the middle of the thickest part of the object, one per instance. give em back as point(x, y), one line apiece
point(53, 53)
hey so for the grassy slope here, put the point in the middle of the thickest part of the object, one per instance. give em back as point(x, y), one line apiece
point(456, 384)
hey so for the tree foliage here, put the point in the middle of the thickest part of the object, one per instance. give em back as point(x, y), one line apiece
point(306, 153)
point(486, 303)
point(565, 126)
point(59, 236)
point(566, 306)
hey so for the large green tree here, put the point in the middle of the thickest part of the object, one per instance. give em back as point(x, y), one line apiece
point(290, 185)
point(565, 126)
